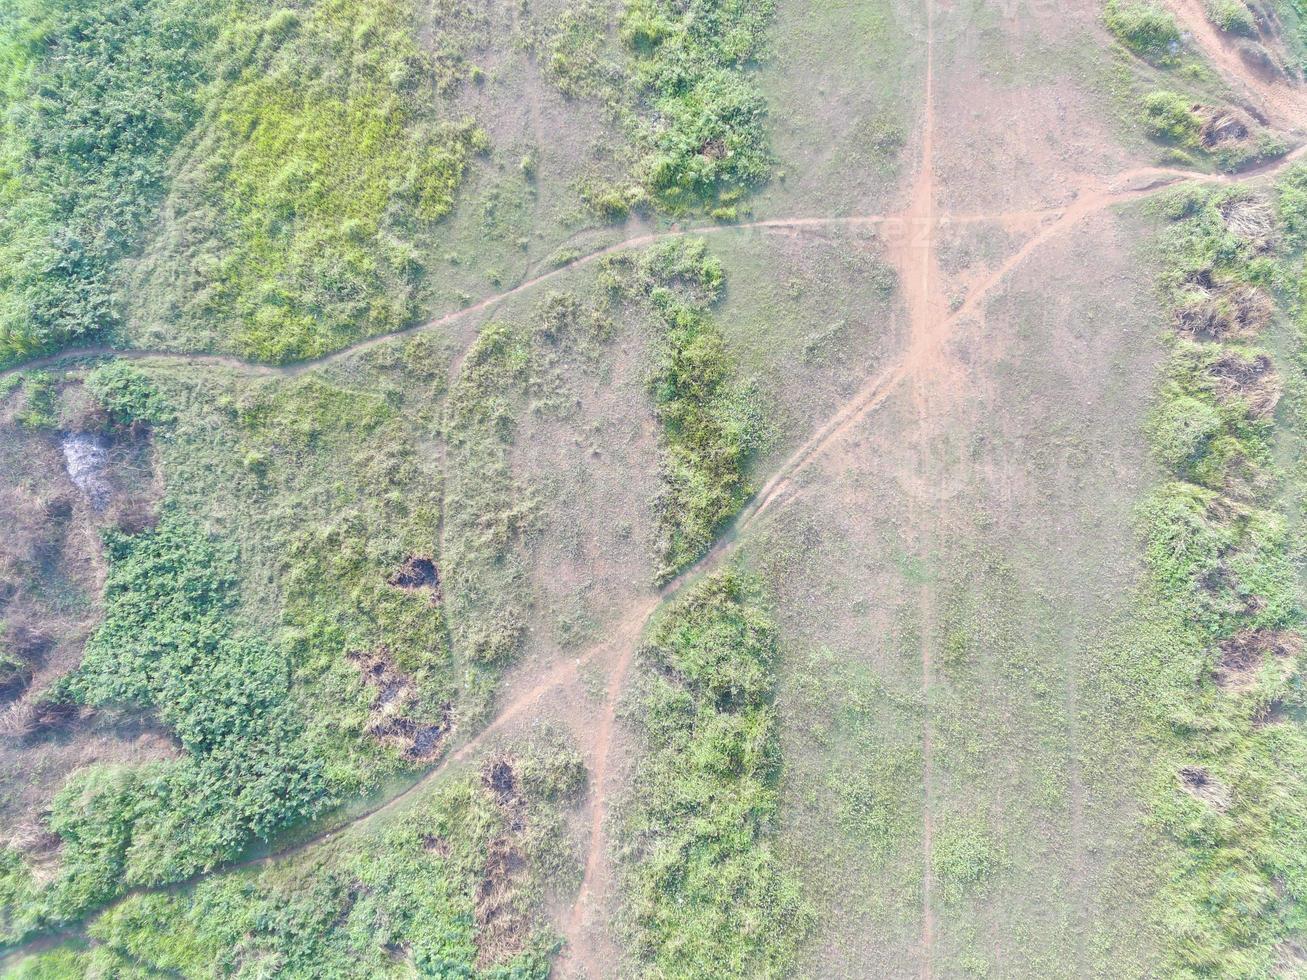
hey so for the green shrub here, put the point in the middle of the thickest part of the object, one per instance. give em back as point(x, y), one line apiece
point(1144, 27)
point(708, 419)
point(1168, 117)
point(167, 643)
point(127, 395)
point(696, 116)
point(316, 180)
point(1221, 566)
point(1231, 16)
point(1291, 200)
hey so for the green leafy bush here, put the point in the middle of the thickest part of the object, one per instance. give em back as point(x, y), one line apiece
point(1169, 117)
point(684, 94)
point(128, 395)
point(1144, 27)
point(1221, 565)
point(167, 643)
point(707, 894)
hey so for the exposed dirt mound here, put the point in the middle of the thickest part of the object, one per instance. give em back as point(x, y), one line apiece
point(1251, 378)
point(396, 717)
point(419, 572)
point(1242, 656)
point(1198, 783)
point(1223, 312)
point(1260, 61)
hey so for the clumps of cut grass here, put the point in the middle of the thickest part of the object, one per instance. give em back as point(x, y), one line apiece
point(402, 894)
point(1221, 565)
point(94, 98)
point(707, 895)
point(320, 165)
point(681, 88)
point(1144, 27)
point(709, 420)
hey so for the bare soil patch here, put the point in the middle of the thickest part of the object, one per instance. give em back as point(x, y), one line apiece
point(418, 573)
point(396, 717)
point(1243, 655)
point(1200, 784)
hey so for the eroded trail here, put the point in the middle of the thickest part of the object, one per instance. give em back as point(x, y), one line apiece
point(1282, 102)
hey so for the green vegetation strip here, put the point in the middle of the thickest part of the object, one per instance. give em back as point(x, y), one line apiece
point(706, 893)
point(709, 421)
point(1223, 635)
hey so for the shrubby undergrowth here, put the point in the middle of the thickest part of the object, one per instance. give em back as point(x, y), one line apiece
point(452, 886)
point(681, 88)
point(706, 892)
point(94, 98)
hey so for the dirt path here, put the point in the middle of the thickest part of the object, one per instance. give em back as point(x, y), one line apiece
point(926, 359)
point(1280, 101)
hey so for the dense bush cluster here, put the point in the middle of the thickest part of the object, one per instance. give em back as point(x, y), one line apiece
point(167, 643)
point(404, 895)
point(1145, 27)
point(681, 88)
point(707, 895)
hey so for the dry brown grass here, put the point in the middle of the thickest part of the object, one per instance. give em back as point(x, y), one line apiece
point(1209, 312)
